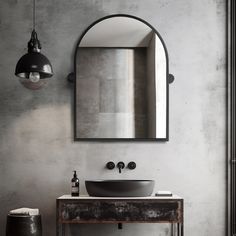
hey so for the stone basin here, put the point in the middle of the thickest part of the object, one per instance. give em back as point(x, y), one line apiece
point(119, 188)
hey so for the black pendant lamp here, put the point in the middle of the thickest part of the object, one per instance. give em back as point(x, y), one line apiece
point(33, 66)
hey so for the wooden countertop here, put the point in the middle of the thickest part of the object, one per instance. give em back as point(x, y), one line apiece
point(86, 197)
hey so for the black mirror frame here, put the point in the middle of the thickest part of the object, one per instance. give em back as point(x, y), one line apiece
point(167, 83)
point(231, 115)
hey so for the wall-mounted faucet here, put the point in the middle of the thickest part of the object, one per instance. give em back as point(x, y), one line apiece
point(120, 165)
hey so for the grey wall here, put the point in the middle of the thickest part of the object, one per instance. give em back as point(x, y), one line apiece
point(37, 152)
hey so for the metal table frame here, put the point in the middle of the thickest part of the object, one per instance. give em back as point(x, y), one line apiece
point(79, 210)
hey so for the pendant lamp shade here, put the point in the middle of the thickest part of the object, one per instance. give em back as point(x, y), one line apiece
point(33, 62)
point(33, 66)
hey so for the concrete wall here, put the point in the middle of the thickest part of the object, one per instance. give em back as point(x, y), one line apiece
point(37, 151)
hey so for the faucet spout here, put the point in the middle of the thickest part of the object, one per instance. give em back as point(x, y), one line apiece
point(120, 165)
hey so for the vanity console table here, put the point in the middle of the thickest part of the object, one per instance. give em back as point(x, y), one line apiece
point(85, 209)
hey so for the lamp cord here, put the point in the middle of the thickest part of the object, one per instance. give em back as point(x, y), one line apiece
point(34, 15)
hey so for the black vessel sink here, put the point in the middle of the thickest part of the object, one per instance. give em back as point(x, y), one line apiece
point(119, 188)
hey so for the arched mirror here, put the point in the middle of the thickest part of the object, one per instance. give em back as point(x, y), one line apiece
point(121, 82)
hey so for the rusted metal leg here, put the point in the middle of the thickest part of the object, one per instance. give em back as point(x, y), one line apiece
point(178, 229)
point(58, 223)
point(172, 229)
point(60, 229)
point(63, 230)
point(182, 229)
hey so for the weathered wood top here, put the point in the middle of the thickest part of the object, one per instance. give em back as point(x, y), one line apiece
point(86, 197)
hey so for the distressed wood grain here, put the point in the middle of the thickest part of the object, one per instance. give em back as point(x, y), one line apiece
point(111, 211)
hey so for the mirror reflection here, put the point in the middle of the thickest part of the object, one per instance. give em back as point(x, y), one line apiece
point(121, 81)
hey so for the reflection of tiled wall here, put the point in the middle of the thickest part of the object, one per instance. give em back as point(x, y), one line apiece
point(111, 92)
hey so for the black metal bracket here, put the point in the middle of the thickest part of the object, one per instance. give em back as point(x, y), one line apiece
point(171, 78)
point(34, 44)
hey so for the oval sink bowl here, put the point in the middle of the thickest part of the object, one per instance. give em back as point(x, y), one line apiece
point(119, 188)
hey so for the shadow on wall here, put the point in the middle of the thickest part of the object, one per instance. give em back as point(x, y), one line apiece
point(36, 130)
point(112, 229)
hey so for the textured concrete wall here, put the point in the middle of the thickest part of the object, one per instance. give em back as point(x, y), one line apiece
point(37, 152)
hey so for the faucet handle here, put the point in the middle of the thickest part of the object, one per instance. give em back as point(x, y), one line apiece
point(120, 165)
point(132, 165)
point(110, 165)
